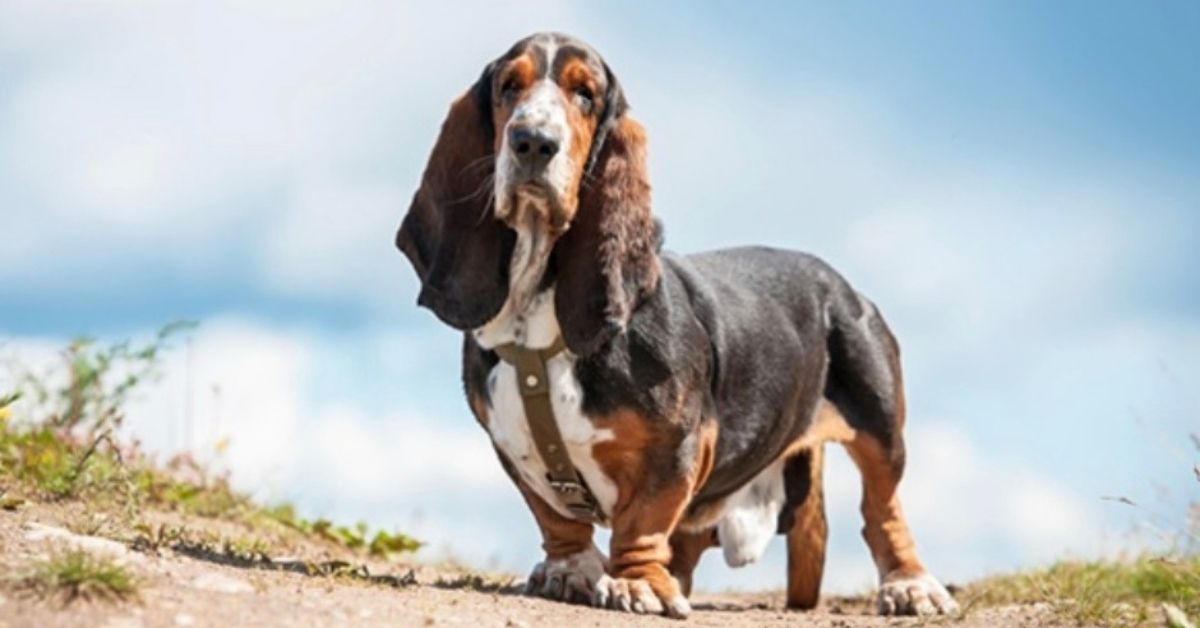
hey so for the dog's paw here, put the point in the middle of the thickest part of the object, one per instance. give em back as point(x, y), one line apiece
point(636, 596)
point(903, 593)
point(571, 579)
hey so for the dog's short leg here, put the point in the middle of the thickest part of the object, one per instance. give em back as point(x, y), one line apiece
point(905, 586)
point(686, 548)
point(652, 493)
point(807, 537)
point(640, 552)
point(866, 386)
point(573, 566)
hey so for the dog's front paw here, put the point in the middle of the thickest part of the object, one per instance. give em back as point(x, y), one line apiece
point(570, 579)
point(903, 593)
point(635, 595)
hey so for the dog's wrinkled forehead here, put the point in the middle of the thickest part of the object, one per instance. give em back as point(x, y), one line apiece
point(551, 52)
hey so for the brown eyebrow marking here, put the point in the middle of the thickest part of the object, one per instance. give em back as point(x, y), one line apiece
point(522, 69)
point(576, 72)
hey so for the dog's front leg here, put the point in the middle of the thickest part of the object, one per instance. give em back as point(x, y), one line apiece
point(641, 552)
point(573, 566)
point(655, 472)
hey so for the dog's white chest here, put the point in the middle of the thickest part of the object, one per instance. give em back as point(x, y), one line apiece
point(509, 427)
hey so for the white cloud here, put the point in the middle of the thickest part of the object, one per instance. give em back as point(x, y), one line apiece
point(334, 241)
point(962, 500)
point(369, 458)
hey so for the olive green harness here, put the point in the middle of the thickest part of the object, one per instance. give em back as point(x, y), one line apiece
point(534, 385)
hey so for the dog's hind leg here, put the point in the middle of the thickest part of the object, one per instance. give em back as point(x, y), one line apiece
point(806, 527)
point(686, 549)
point(865, 385)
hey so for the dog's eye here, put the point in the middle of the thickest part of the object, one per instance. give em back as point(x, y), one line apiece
point(584, 98)
point(508, 90)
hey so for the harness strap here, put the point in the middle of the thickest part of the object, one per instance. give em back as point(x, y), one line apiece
point(534, 385)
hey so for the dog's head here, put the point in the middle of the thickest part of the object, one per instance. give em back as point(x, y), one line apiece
point(536, 161)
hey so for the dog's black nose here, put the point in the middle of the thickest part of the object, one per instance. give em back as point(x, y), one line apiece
point(533, 146)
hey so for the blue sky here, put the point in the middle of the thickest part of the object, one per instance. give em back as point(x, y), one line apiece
point(1015, 184)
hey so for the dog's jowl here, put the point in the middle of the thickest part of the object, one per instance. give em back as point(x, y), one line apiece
point(681, 400)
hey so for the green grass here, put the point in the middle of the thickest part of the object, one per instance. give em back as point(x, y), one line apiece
point(1099, 591)
point(75, 575)
point(57, 444)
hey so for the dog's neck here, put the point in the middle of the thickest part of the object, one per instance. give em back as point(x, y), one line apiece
point(535, 327)
point(528, 318)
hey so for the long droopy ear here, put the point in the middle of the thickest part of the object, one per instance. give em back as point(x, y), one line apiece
point(608, 260)
point(456, 246)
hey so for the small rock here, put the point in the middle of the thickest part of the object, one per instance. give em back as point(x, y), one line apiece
point(222, 583)
point(365, 613)
point(183, 619)
point(1176, 618)
point(94, 544)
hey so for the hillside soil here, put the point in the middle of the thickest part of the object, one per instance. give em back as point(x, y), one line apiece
point(180, 584)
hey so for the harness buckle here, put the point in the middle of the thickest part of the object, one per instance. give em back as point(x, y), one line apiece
point(582, 502)
point(567, 486)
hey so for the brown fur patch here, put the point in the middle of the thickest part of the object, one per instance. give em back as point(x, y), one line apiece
point(686, 549)
point(647, 509)
point(561, 537)
point(828, 425)
point(706, 452)
point(574, 76)
point(884, 529)
point(807, 538)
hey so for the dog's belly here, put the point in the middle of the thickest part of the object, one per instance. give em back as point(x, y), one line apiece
point(750, 516)
point(510, 432)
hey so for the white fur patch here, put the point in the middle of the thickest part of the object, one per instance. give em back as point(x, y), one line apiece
point(537, 328)
point(752, 517)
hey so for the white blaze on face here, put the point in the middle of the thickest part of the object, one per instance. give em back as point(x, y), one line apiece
point(542, 108)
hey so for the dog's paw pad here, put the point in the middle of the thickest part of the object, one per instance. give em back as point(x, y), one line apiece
point(631, 596)
point(636, 596)
point(920, 594)
point(570, 579)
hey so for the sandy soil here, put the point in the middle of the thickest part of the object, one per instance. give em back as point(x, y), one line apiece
point(178, 589)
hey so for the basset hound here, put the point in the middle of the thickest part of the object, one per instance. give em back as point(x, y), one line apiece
point(691, 394)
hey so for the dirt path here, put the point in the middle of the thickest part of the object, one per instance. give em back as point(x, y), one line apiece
point(178, 589)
